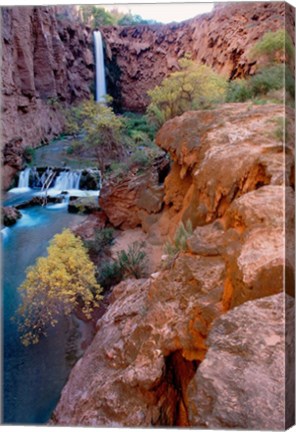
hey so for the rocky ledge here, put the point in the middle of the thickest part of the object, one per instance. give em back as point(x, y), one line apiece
point(196, 343)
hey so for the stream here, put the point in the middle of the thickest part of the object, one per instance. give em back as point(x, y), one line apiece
point(33, 377)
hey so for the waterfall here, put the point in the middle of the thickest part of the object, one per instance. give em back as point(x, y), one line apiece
point(100, 69)
point(24, 178)
point(68, 180)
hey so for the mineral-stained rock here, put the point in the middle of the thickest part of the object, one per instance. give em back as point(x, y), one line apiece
point(138, 58)
point(218, 156)
point(129, 201)
point(146, 350)
point(241, 382)
point(10, 215)
point(228, 179)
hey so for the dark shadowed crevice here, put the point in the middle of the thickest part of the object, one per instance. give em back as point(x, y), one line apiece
point(178, 373)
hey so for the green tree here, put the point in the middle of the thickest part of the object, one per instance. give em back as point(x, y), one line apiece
point(192, 87)
point(130, 19)
point(102, 129)
point(101, 17)
point(56, 285)
point(276, 47)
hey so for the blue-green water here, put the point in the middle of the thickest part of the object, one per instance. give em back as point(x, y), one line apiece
point(33, 377)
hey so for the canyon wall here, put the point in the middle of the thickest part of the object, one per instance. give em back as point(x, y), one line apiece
point(138, 58)
point(200, 340)
point(47, 63)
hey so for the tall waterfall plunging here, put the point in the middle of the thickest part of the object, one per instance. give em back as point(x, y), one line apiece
point(100, 69)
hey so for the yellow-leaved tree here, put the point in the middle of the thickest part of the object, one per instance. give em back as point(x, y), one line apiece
point(193, 87)
point(55, 286)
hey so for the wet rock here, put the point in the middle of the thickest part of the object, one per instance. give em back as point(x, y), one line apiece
point(10, 215)
point(85, 205)
point(241, 382)
point(90, 179)
point(41, 201)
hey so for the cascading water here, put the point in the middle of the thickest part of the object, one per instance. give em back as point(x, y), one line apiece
point(24, 178)
point(68, 180)
point(100, 69)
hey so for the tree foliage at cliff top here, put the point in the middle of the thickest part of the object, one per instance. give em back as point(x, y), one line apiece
point(192, 87)
point(98, 16)
point(55, 286)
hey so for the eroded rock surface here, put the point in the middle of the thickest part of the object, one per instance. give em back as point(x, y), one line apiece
point(131, 201)
point(241, 382)
point(138, 58)
point(227, 177)
point(47, 63)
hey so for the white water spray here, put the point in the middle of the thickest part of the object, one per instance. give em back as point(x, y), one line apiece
point(68, 180)
point(24, 178)
point(100, 69)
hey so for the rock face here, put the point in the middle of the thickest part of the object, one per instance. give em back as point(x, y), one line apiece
point(138, 58)
point(240, 385)
point(47, 63)
point(151, 362)
point(137, 199)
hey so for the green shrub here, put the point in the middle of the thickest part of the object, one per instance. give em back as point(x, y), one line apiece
point(102, 128)
point(179, 244)
point(29, 154)
point(274, 46)
point(267, 79)
point(238, 91)
point(139, 158)
point(131, 262)
point(192, 87)
point(109, 274)
point(103, 238)
point(139, 129)
point(119, 168)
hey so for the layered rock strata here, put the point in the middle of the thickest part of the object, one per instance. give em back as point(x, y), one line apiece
point(152, 361)
point(46, 63)
point(138, 58)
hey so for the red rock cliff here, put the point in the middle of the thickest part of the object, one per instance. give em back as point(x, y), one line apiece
point(45, 63)
point(138, 58)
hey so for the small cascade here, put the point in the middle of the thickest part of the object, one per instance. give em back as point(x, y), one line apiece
point(24, 178)
point(68, 180)
point(100, 68)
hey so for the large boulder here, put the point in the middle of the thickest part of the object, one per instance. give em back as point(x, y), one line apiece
point(218, 156)
point(10, 215)
point(241, 382)
point(129, 202)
